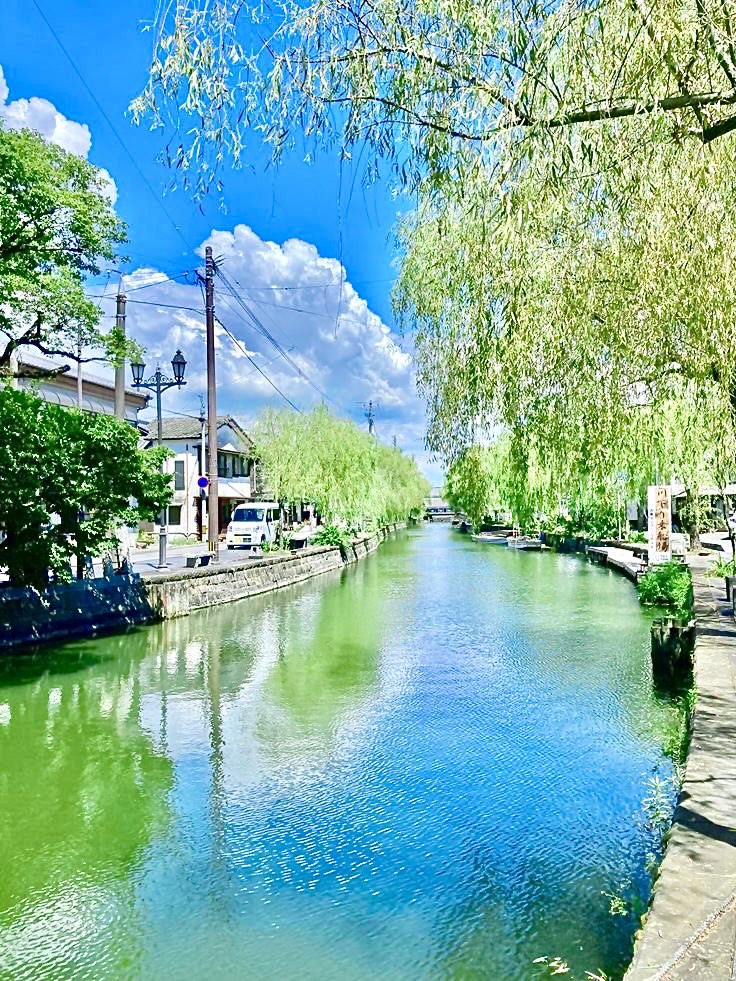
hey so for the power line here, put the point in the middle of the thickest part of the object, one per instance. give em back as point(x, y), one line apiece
point(258, 368)
point(109, 122)
point(310, 286)
point(157, 282)
point(148, 303)
point(270, 338)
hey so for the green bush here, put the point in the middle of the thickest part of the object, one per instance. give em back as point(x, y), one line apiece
point(330, 535)
point(722, 568)
point(668, 585)
point(637, 537)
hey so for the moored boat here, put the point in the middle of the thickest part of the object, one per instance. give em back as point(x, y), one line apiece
point(489, 538)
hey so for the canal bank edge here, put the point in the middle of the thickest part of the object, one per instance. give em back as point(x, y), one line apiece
point(90, 607)
point(690, 930)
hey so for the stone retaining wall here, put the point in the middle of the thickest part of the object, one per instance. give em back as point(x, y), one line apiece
point(78, 609)
point(29, 617)
point(177, 594)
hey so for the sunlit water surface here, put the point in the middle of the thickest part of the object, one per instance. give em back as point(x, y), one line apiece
point(429, 766)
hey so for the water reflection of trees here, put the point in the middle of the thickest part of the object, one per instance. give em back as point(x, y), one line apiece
point(328, 660)
point(83, 789)
point(91, 734)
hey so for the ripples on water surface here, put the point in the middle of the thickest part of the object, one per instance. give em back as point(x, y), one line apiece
point(431, 766)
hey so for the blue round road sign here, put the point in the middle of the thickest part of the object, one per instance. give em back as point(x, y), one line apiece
point(202, 482)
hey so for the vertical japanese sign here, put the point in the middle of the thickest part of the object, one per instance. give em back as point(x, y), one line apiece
point(659, 512)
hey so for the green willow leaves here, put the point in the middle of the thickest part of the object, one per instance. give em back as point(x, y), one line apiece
point(347, 474)
point(569, 267)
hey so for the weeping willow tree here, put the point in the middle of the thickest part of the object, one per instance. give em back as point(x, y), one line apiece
point(475, 484)
point(569, 265)
point(346, 473)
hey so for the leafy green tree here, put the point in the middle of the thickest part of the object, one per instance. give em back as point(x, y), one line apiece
point(68, 479)
point(57, 226)
point(476, 483)
point(570, 262)
point(346, 473)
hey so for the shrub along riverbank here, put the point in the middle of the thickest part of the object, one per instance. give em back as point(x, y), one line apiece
point(668, 585)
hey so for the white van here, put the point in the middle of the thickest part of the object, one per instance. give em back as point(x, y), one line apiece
point(253, 525)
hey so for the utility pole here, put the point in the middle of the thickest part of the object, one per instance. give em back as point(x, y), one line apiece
point(370, 417)
point(120, 369)
point(213, 506)
point(202, 470)
point(80, 393)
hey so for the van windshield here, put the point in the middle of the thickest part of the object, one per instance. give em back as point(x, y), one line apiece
point(248, 514)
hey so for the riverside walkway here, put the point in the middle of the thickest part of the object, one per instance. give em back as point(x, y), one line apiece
point(691, 928)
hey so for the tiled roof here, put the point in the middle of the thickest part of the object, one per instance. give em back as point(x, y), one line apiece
point(40, 362)
point(188, 428)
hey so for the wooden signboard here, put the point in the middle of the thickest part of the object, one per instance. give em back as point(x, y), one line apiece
point(659, 508)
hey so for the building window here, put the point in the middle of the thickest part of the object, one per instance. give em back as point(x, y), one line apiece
point(179, 475)
point(175, 514)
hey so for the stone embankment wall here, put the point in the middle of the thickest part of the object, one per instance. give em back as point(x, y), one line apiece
point(690, 930)
point(29, 617)
point(78, 609)
point(177, 594)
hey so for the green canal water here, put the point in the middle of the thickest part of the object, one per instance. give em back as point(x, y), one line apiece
point(431, 765)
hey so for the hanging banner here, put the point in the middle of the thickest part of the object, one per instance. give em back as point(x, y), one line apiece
point(659, 513)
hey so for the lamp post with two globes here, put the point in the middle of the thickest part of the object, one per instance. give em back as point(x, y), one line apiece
point(159, 383)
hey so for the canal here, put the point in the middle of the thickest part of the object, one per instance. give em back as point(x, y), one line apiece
point(431, 765)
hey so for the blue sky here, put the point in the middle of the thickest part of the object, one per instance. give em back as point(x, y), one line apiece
point(282, 228)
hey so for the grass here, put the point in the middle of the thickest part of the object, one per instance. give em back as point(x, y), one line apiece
point(676, 743)
point(722, 568)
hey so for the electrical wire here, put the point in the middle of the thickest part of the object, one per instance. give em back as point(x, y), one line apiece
point(158, 282)
point(262, 329)
point(118, 137)
point(152, 303)
point(255, 364)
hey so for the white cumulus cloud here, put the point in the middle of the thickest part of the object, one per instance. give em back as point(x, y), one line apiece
point(43, 117)
point(278, 299)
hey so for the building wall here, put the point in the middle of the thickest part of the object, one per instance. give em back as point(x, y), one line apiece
point(98, 396)
point(184, 512)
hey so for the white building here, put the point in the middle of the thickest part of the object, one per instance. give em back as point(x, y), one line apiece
point(186, 438)
point(95, 393)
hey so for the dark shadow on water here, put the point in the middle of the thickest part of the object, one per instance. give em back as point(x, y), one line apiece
point(30, 663)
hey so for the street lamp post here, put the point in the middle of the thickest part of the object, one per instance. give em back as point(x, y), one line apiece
point(159, 383)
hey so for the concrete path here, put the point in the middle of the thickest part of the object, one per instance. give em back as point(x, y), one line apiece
point(620, 558)
point(145, 561)
point(691, 928)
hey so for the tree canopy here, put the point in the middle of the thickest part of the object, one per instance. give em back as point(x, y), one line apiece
point(436, 86)
point(57, 226)
point(68, 479)
point(569, 268)
point(346, 473)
